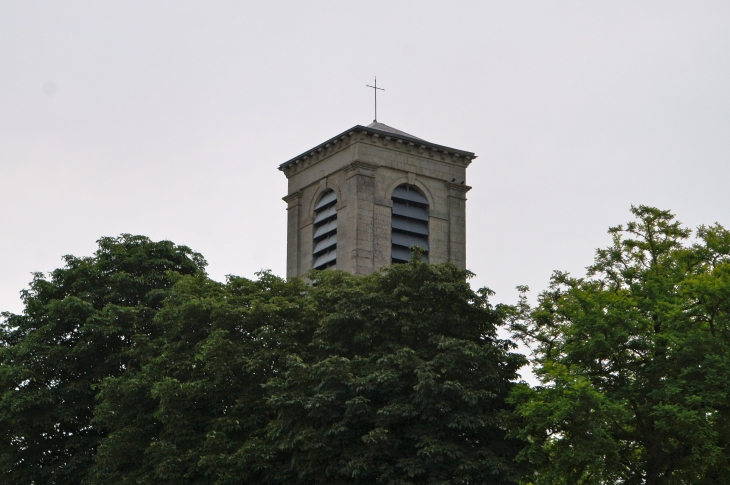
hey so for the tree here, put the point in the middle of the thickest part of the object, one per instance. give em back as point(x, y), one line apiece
point(133, 367)
point(404, 382)
point(196, 411)
point(395, 377)
point(76, 330)
point(634, 362)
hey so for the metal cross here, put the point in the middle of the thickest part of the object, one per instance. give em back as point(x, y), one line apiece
point(375, 90)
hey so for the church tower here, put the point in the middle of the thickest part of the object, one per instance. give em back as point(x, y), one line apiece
point(360, 200)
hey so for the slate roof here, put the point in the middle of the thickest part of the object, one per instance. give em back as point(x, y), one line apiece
point(381, 129)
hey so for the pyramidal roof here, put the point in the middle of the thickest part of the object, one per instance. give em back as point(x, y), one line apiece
point(378, 129)
point(389, 129)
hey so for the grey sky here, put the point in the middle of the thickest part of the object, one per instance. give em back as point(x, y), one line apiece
point(169, 119)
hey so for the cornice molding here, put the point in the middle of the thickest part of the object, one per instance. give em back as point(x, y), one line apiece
point(384, 138)
point(293, 199)
point(457, 190)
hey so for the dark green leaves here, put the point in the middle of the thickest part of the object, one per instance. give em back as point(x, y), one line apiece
point(404, 382)
point(133, 367)
point(77, 329)
point(392, 378)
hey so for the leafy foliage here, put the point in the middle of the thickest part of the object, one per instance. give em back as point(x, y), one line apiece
point(391, 378)
point(634, 362)
point(197, 411)
point(403, 382)
point(77, 329)
point(133, 367)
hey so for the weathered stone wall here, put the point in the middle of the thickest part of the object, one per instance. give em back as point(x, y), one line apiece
point(363, 170)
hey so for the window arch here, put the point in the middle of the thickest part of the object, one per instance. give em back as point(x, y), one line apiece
point(324, 254)
point(409, 223)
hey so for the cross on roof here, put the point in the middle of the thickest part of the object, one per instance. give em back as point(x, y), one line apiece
point(375, 90)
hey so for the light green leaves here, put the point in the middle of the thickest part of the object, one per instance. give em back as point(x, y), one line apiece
point(634, 362)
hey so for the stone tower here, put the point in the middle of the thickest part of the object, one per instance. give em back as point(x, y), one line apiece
point(360, 200)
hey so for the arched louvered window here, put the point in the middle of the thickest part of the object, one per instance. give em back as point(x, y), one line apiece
point(409, 223)
point(325, 232)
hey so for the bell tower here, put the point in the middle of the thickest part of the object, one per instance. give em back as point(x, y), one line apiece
point(360, 200)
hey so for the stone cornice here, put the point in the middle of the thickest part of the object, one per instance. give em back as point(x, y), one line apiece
point(292, 199)
point(393, 140)
point(457, 190)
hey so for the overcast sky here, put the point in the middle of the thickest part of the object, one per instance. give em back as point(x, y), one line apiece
point(168, 119)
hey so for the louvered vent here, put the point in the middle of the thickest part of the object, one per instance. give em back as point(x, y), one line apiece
point(409, 222)
point(325, 232)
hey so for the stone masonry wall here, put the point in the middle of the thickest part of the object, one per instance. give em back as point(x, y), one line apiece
point(363, 171)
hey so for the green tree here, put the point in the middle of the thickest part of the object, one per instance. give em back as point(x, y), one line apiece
point(394, 378)
point(404, 382)
point(196, 411)
point(133, 367)
point(76, 330)
point(634, 362)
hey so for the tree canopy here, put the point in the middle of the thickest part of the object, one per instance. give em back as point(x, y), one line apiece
point(634, 362)
point(134, 367)
point(76, 330)
point(404, 381)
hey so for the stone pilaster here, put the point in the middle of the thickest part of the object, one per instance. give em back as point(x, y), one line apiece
point(293, 208)
point(381, 231)
point(457, 223)
point(360, 177)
